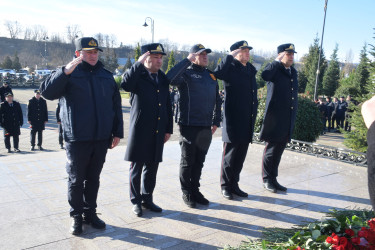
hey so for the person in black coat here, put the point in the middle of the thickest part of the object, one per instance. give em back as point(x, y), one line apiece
point(11, 119)
point(240, 111)
point(368, 113)
point(342, 106)
point(151, 124)
point(280, 113)
point(4, 90)
point(91, 116)
point(199, 117)
point(335, 104)
point(58, 120)
point(37, 117)
point(329, 108)
point(323, 114)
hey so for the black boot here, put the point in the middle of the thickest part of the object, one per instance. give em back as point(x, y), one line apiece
point(76, 228)
point(93, 219)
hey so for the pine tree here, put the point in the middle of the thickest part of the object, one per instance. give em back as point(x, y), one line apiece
point(16, 62)
point(128, 64)
point(332, 75)
point(171, 61)
point(310, 65)
point(137, 52)
point(260, 82)
point(7, 64)
point(362, 74)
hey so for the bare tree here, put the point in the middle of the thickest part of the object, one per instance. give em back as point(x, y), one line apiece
point(72, 32)
point(168, 45)
point(38, 33)
point(349, 66)
point(14, 28)
point(56, 38)
point(100, 38)
point(27, 33)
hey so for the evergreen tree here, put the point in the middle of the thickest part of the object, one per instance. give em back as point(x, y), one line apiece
point(128, 64)
point(310, 66)
point(347, 87)
point(332, 75)
point(171, 61)
point(137, 52)
point(362, 74)
point(260, 82)
point(16, 62)
point(7, 64)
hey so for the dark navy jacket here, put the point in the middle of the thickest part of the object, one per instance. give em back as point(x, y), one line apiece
point(240, 101)
point(150, 114)
point(37, 113)
point(200, 102)
point(11, 118)
point(90, 102)
point(341, 109)
point(281, 103)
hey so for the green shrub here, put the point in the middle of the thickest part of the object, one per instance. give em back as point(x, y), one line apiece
point(308, 125)
point(118, 80)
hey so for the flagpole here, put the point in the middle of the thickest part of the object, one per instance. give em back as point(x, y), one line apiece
point(320, 51)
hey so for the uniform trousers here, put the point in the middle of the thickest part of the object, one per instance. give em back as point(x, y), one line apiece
point(84, 164)
point(61, 139)
point(234, 155)
point(7, 140)
point(32, 137)
point(340, 121)
point(271, 160)
point(195, 142)
point(144, 172)
point(330, 125)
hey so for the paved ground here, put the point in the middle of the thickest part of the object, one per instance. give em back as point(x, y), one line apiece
point(34, 208)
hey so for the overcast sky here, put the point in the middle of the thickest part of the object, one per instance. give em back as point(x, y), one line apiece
point(216, 24)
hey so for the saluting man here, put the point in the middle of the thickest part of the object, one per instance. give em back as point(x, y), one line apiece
point(37, 116)
point(240, 112)
point(280, 113)
point(151, 124)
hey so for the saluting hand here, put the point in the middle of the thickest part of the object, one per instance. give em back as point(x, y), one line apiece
point(191, 57)
point(234, 53)
point(143, 57)
point(69, 68)
point(280, 56)
point(368, 111)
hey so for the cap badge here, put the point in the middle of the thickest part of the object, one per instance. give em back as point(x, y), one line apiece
point(291, 47)
point(93, 43)
point(159, 48)
point(244, 44)
point(200, 46)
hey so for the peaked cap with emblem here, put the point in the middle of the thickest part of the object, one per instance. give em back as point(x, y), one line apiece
point(199, 48)
point(288, 47)
point(240, 45)
point(87, 43)
point(154, 48)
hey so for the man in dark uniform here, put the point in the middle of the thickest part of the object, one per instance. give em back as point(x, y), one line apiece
point(280, 113)
point(37, 117)
point(58, 120)
point(151, 124)
point(240, 111)
point(340, 112)
point(329, 108)
point(199, 117)
point(323, 114)
point(11, 119)
point(335, 104)
point(4, 90)
point(91, 116)
point(349, 112)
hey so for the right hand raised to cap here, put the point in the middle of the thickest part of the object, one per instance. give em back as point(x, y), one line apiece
point(69, 68)
point(191, 57)
point(280, 56)
point(143, 57)
point(235, 52)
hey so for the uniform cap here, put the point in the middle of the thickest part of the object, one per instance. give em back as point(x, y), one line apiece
point(8, 94)
point(86, 43)
point(240, 45)
point(199, 48)
point(153, 48)
point(36, 91)
point(288, 47)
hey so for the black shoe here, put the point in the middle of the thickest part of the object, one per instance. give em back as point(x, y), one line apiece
point(41, 148)
point(17, 150)
point(189, 200)
point(199, 198)
point(227, 194)
point(239, 192)
point(61, 146)
point(76, 227)
point(152, 206)
point(32, 148)
point(137, 210)
point(94, 220)
point(9, 151)
point(279, 187)
point(269, 186)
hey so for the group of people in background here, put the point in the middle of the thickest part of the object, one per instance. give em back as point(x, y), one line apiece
point(11, 119)
point(336, 114)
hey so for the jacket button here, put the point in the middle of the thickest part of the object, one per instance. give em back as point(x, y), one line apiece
point(158, 118)
point(291, 107)
point(157, 131)
point(292, 88)
point(292, 98)
point(291, 80)
point(253, 102)
point(159, 104)
point(158, 91)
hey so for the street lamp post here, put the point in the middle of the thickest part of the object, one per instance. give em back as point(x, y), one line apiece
point(45, 49)
point(152, 26)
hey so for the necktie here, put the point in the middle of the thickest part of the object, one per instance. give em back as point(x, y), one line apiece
point(289, 71)
point(154, 77)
